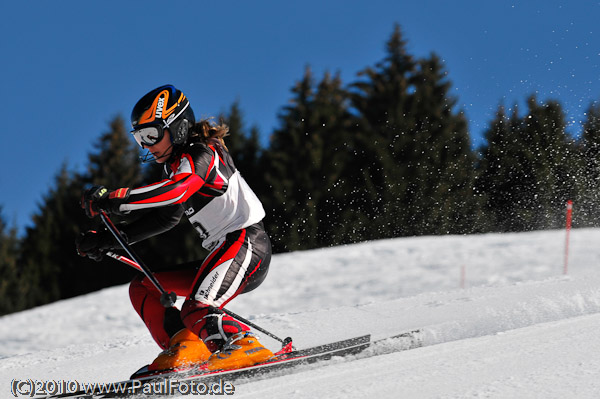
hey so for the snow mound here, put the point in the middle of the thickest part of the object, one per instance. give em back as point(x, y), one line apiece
point(520, 328)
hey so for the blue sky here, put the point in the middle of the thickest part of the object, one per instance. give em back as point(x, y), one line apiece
point(69, 67)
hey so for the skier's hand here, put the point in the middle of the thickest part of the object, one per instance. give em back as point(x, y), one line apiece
point(94, 199)
point(94, 244)
point(90, 244)
point(99, 198)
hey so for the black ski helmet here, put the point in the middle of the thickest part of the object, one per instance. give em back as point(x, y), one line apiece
point(165, 107)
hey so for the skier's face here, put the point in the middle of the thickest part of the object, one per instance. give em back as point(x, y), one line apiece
point(163, 149)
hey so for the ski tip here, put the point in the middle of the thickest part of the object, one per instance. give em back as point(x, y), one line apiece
point(144, 371)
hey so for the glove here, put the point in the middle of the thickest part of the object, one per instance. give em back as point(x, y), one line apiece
point(99, 198)
point(92, 244)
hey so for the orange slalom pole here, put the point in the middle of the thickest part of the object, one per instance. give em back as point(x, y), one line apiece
point(568, 226)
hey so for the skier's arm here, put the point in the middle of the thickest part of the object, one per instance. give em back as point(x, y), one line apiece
point(174, 190)
point(155, 222)
point(189, 178)
point(166, 192)
point(163, 202)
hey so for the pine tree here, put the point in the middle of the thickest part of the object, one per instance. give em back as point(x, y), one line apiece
point(440, 195)
point(115, 162)
point(12, 295)
point(48, 249)
point(334, 194)
point(416, 148)
point(384, 144)
point(550, 147)
point(51, 267)
point(244, 146)
point(303, 164)
point(588, 170)
point(501, 177)
point(527, 176)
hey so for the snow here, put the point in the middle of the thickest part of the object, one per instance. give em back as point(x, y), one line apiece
point(519, 328)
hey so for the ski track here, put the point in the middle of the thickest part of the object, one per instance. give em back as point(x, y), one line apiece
point(512, 364)
point(519, 329)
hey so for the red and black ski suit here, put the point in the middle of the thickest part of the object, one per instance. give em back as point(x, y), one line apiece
point(201, 182)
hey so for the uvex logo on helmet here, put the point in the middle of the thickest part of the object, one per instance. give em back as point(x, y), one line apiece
point(159, 107)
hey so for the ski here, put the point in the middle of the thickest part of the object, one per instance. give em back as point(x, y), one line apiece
point(286, 353)
point(355, 346)
point(197, 379)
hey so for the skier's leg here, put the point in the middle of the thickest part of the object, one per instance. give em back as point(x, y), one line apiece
point(238, 265)
point(162, 323)
point(181, 346)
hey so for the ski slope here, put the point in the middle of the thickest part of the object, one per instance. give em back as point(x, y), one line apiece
point(519, 328)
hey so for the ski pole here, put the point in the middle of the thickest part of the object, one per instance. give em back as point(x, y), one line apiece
point(284, 342)
point(136, 266)
point(125, 260)
point(166, 299)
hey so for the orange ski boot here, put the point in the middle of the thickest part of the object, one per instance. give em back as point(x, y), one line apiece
point(241, 350)
point(185, 348)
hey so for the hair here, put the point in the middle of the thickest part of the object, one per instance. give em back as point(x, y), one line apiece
point(208, 132)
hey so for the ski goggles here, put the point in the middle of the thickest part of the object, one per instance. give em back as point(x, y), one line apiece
point(148, 136)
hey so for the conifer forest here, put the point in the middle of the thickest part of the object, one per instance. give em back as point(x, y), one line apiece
point(385, 155)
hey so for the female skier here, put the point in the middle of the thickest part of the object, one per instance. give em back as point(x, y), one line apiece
point(199, 180)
